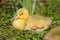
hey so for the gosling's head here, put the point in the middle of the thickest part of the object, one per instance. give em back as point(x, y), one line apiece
point(22, 13)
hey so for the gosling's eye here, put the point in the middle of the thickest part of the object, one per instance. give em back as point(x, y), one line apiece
point(21, 14)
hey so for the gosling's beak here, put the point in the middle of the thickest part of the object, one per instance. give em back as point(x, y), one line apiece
point(17, 17)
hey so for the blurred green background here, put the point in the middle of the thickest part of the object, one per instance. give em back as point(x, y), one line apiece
point(8, 8)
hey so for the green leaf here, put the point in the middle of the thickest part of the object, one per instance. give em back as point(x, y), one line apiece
point(27, 4)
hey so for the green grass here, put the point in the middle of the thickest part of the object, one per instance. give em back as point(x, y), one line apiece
point(7, 32)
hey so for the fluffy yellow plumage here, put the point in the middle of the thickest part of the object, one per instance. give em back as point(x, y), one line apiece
point(25, 22)
point(21, 18)
point(19, 24)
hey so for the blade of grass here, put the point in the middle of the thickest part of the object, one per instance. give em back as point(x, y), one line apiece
point(27, 4)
